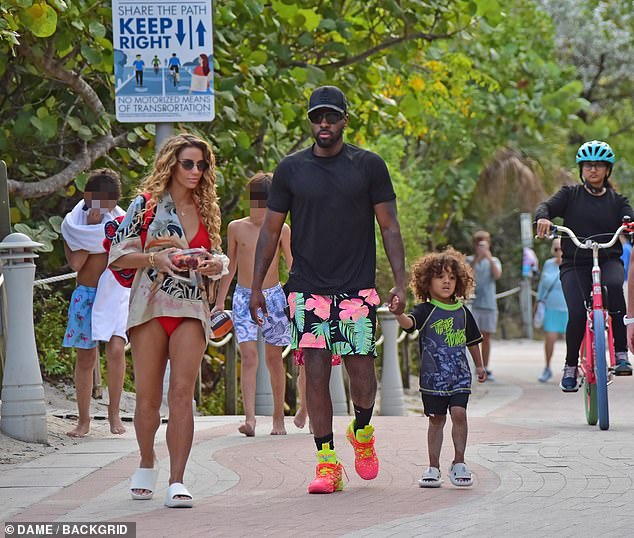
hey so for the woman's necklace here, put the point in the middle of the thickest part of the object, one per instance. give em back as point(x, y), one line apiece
point(182, 212)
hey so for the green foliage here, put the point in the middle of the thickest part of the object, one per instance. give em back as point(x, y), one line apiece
point(213, 383)
point(50, 314)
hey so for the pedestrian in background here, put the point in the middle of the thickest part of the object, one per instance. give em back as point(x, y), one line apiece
point(487, 269)
point(550, 292)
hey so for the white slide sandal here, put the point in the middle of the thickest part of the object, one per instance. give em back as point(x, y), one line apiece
point(143, 479)
point(177, 489)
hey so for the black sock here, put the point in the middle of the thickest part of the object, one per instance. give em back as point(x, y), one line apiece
point(362, 417)
point(326, 439)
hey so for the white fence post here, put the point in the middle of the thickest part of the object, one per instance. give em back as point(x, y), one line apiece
point(23, 412)
point(263, 390)
point(392, 397)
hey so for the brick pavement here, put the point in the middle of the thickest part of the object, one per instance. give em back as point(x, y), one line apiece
point(540, 471)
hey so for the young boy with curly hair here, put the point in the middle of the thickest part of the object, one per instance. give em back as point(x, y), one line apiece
point(446, 329)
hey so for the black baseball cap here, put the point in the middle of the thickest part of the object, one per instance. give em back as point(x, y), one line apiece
point(327, 97)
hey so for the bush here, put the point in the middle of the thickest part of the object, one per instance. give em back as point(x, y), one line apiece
point(50, 314)
point(213, 384)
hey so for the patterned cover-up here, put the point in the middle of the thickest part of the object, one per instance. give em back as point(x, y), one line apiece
point(155, 294)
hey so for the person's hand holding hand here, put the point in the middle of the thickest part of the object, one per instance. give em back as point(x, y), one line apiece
point(394, 304)
point(396, 300)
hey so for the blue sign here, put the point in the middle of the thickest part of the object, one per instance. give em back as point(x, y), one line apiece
point(163, 60)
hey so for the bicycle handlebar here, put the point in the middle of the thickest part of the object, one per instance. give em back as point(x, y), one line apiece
point(589, 242)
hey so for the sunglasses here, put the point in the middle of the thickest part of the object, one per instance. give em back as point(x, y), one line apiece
point(188, 164)
point(596, 166)
point(317, 116)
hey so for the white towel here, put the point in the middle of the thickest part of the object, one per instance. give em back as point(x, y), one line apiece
point(82, 236)
point(110, 309)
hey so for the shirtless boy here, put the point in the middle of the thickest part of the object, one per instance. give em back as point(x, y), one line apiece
point(83, 232)
point(242, 235)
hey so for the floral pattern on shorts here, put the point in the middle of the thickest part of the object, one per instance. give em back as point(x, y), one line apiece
point(344, 323)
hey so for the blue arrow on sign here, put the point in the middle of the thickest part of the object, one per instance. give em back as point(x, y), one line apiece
point(180, 34)
point(200, 30)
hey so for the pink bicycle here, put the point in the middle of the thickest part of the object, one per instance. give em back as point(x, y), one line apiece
point(596, 372)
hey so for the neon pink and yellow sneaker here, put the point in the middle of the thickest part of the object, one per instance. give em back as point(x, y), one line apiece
point(365, 461)
point(328, 473)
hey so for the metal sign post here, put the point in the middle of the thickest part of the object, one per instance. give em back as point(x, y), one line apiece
point(163, 60)
point(526, 303)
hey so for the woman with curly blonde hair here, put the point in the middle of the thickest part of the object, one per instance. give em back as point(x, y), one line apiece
point(175, 249)
point(446, 329)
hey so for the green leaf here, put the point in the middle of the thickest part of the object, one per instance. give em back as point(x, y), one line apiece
point(243, 140)
point(24, 206)
point(258, 57)
point(97, 29)
point(40, 19)
point(92, 55)
point(84, 132)
point(137, 157)
point(80, 181)
point(56, 223)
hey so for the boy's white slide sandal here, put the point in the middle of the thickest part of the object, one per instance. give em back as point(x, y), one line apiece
point(431, 478)
point(460, 475)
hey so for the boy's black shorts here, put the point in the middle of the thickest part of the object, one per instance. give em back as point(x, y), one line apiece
point(438, 405)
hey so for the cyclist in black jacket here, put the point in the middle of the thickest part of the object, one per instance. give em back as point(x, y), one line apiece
point(592, 209)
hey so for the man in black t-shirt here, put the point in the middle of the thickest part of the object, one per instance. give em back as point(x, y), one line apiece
point(333, 191)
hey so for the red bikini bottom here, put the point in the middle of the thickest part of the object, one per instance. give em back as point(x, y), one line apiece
point(169, 323)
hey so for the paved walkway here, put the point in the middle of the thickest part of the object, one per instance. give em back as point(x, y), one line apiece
point(540, 471)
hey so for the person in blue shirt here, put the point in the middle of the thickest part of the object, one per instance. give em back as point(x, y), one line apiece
point(625, 258)
point(138, 64)
point(550, 292)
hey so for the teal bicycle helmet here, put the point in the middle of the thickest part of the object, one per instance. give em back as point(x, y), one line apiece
point(595, 150)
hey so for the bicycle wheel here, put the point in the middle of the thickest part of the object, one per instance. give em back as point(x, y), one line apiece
point(601, 369)
point(590, 400)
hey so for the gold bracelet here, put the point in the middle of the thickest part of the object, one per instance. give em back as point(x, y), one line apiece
point(151, 260)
